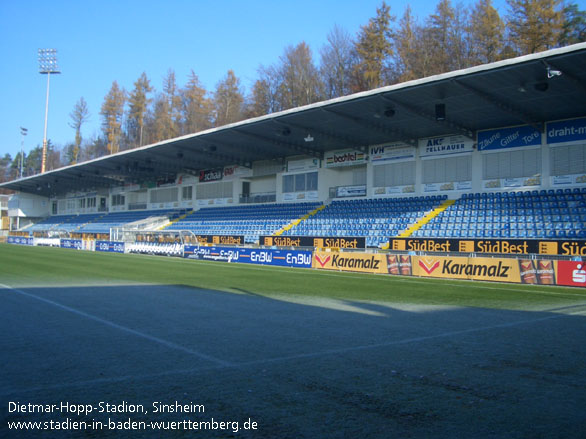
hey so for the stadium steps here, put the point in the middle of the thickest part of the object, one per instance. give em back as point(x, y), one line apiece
point(296, 222)
point(425, 219)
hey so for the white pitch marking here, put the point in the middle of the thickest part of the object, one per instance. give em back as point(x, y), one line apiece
point(226, 365)
point(111, 324)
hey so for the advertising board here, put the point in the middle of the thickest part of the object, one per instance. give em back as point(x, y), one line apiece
point(350, 261)
point(310, 241)
point(221, 239)
point(20, 240)
point(571, 273)
point(512, 270)
point(346, 157)
point(110, 246)
point(281, 258)
point(491, 246)
point(444, 145)
point(505, 138)
point(72, 243)
point(566, 131)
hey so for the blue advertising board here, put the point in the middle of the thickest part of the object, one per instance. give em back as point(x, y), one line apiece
point(110, 246)
point(71, 243)
point(566, 131)
point(20, 240)
point(505, 138)
point(281, 258)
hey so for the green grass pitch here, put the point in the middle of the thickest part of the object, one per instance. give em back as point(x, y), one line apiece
point(43, 266)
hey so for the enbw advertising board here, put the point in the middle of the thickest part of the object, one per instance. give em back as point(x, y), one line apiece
point(110, 246)
point(281, 258)
point(20, 240)
point(72, 243)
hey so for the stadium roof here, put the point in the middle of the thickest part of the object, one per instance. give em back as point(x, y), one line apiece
point(531, 89)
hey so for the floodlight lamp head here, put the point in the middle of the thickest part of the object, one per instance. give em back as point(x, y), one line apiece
point(48, 61)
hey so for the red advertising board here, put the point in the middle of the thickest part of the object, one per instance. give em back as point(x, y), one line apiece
point(572, 273)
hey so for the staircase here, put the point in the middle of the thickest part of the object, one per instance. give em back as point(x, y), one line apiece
point(299, 220)
point(425, 219)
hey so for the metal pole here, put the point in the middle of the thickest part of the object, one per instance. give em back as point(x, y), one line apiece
point(44, 159)
point(23, 132)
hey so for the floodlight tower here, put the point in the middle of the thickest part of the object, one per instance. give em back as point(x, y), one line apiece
point(47, 65)
point(23, 132)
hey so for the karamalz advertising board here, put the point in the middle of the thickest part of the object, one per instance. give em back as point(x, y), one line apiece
point(511, 270)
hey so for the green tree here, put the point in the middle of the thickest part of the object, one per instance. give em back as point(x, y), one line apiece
point(374, 49)
point(32, 161)
point(79, 116)
point(112, 112)
point(574, 28)
point(138, 103)
point(6, 166)
point(228, 100)
point(94, 148)
point(535, 25)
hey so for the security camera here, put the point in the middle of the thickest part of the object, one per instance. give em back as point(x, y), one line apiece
point(551, 73)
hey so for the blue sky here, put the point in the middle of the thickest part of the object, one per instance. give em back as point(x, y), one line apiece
point(102, 41)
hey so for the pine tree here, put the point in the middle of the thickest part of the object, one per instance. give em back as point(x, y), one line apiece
point(486, 33)
point(374, 49)
point(138, 103)
point(112, 113)
point(299, 78)
point(79, 116)
point(535, 25)
point(265, 92)
point(228, 100)
point(574, 28)
point(445, 33)
point(171, 94)
point(408, 59)
point(196, 106)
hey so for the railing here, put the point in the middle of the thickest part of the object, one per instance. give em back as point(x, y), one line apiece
point(259, 197)
point(137, 206)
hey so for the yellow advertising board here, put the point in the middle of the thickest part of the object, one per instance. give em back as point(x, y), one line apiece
point(513, 270)
point(351, 261)
point(526, 271)
point(491, 269)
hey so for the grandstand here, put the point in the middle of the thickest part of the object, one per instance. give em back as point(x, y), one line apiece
point(102, 223)
point(490, 152)
point(250, 221)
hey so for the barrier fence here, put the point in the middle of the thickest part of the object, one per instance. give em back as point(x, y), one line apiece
point(522, 270)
